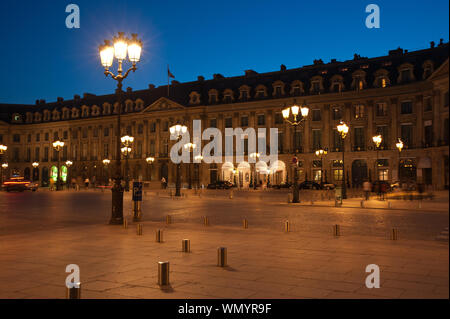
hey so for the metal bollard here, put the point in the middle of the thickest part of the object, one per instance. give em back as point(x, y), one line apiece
point(245, 223)
point(389, 204)
point(420, 204)
point(205, 221)
point(337, 230)
point(186, 245)
point(231, 194)
point(287, 226)
point(222, 257)
point(159, 236)
point(168, 219)
point(139, 229)
point(125, 223)
point(312, 201)
point(74, 292)
point(394, 234)
point(163, 273)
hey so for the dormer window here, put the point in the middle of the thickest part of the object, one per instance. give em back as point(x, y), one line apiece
point(65, 113)
point(405, 73)
point(128, 106)
point(85, 111)
point(296, 88)
point(17, 118)
point(213, 96)
point(316, 85)
point(75, 113)
point(55, 115)
point(260, 92)
point(46, 115)
point(337, 84)
point(228, 96)
point(278, 89)
point(29, 117)
point(95, 110)
point(358, 111)
point(427, 69)
point(37, 117)
point(194, 98)
point(359, 80)
point(106, 108)
point(139, 105)
point(244, 92)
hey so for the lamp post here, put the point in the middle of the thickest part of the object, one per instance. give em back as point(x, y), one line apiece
point(320, 153)
point(298, 120)
point(3, 149)
point(255, 156)
point(198, 160)
point(342, 129)
point(35, 166)
point(149, 161)
point(178, 130)
point(107, 54)
point(190, 147)
point(4, 167)
point(106, 164)
point(127, 141)
point(399, 146)
point(377, 139)
point(58, 145)
point(69, 177)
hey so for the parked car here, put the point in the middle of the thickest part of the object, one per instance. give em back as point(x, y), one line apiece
point(282, 185)
point(220, 185)
point(309, 185)
point(19, 184)
point(376, 185)
point(328, 186)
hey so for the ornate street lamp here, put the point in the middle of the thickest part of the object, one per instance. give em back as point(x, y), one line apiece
point(255, 156)
point(190, 147)
point(399, 146)
point(127, 141)
point(297, 121)
point(69, 177)
point(58, 145)
point(4, 167)
point(377, 139)
point(150, 161)
point(106, 164)
point(3, 148)
point(197, 160)
point(342, 129)
point(107, 54)
point(35, 166)
point(320, 153)
point(178, 130)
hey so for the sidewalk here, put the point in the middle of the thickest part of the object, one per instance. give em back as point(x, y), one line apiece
point(116, 263)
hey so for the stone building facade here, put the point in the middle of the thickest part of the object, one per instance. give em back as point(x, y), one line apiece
point(401, 95)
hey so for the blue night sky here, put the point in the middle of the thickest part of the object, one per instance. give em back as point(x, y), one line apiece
point(42, 59)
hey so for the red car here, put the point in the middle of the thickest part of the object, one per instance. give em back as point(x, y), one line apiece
point(19, 184)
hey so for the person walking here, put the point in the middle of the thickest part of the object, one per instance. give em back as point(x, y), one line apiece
point(86, 182)
point(163, 183)
point(367, 187)
point(383, 190)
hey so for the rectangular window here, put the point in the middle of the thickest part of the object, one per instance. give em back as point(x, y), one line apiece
point(244, 95)
point(337, 113)
point(105, 150)
point(244, 121)
point(280, 142)
point(129, 131)
point(84, 132)
point(46, 136)
point(298, 141)
point(37, 154)
point(381, 109)
point(64, 153)
point(213, 123)
point(229, 122)
point(315, 87)
point(138, 152)
point(227, 98)
point(359, 139)
point(359, 111)
point(428, 135)
point(38, 137)
point(16, 152)
point(55, 136)
point(296, 90)
point(278, 91)
point(427, 104)
point(406, 107)
point(152, 147)
point(446, 128)
point(75, 134)
point(383, 131)
point(16, 138)
point(337, 174)
point(406, 75)
point(28, 158)
point(65, 135)
point(153, 127)
point(406, 133)
point(95, 133)
point(106, 132)
point(166, 126)
point(316, 115)
point(446, 99)
point(317, 139)
point(213, 98)
point(45, 159)
point(383, 174)
point(337, 141)
point(245, 146)
point(261, 119)
point(94, 152)
point(29, 138)
point(75, 151)
point(84, 152)
point(278, 118)
point(140, 128)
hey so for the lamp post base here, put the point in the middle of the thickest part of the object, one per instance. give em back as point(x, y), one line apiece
point(117, 205)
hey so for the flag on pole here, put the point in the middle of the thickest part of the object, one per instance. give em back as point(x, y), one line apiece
point(169, 75)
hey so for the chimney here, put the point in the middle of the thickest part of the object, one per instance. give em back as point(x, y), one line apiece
point(200, 78)
point(42, 101)
point(432, 44)
point(217, 76)
point(396, 52)
point(151, 86)
point(37, 102)
point(76, 97)
point(282, 67)
point(250, 72)
point(174, 82)
point(129, 89)
point(333, 61)
point(59, 99)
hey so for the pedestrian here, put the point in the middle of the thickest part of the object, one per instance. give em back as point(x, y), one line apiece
point(367, 187)
point(163, 183)
point(86, 182)
point(52, 183)
point(383, 190)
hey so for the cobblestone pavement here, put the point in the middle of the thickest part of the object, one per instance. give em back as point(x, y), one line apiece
point(43, 232)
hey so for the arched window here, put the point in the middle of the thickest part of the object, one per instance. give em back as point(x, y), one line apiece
point(139, 105)
point(244, 92)
point(55, 115)
point(228, 96)
point(278, 89)
point(46, 115)
point(261, 92)
point(106, 108)
point(359, 80)
point(37, 117)
point(337, 83)
point(297, 88)
point(405, 73)
point(316, 85)
point(428, 69)
point(213, 96)
point(75, 113)
point(194, 98)
point(84, 111)
point(381, 79)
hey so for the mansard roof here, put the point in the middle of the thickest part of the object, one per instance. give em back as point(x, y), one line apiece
point(179, 92)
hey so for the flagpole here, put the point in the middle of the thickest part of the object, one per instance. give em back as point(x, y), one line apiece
point(168, 80)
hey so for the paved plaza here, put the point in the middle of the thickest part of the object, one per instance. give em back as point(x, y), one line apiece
point(41, 233)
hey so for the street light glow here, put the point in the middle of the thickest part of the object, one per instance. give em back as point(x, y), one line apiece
point(377, 140)
point(35, 164)
point(106, 54)
point(399, 145)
